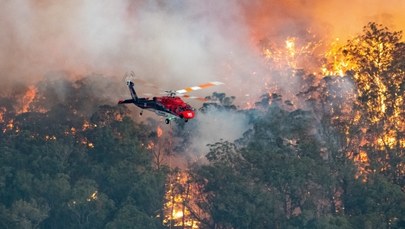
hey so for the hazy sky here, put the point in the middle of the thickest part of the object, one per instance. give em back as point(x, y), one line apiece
point(174, 43)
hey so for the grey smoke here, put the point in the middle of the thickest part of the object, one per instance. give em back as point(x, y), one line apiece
point(172, 43)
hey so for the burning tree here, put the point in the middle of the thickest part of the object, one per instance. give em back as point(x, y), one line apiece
point(378, 72)
point(95, 167)
point(354, 131)
point(361, 98)
point(180, 209)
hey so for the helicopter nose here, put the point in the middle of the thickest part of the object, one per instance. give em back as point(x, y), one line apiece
point(188, 114)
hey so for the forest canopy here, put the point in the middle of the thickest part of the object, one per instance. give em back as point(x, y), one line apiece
point(334, 161)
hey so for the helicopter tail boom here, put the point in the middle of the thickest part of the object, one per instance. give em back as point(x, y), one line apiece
point(126, 101)
point(132, 90)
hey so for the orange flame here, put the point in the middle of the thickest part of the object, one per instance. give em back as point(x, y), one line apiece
point(179, 202)
point(86, 125)
point(150, 145)
point(2, 111)
point(334, 61)
point(159, 132)
point(27, 99)
point(87, 143)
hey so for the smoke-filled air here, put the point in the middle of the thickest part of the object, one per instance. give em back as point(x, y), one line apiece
point(299, 122)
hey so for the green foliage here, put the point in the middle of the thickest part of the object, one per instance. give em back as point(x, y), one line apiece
point(377, 202)
point(273, 180)
point(219, 101)
point(282, 174)
point(70, 169)
point(81, 165)
point(129, 217)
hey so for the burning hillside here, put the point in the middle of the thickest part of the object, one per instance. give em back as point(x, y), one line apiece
point(356, 109)
point(308, 133)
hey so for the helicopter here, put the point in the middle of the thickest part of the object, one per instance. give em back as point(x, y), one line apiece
point(170, 106)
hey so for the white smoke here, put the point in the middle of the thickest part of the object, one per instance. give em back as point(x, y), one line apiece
point(175, 44)
point(172, 43)
point(213, 125)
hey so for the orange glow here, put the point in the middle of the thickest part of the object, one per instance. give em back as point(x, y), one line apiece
point(293, 53)
point(27, 99)
point(150, 145)
point(159, 132)
point(2, 111)
point(362, 162)
point(87, 143)
point(380, 129)
point(118, 117)
point(336, 64)
point(10, 124)
point(50, 138)
point(179, 197)
point(86, 125)
point(93, 196)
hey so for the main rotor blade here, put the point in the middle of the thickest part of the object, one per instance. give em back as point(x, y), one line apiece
point(199, 87)
point(194, 97)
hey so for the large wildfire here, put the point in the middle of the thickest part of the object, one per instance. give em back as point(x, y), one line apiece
point(356, 84)
point(287, 58)
point(334, 69)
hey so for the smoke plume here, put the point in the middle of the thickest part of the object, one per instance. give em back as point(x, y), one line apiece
point(173, 44)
